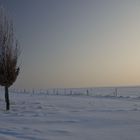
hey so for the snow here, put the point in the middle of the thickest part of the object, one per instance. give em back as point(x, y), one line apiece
point(81, 117)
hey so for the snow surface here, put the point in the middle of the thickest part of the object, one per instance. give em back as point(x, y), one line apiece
point(57, 117)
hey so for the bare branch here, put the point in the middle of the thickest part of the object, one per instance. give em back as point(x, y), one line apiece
point(9, 51)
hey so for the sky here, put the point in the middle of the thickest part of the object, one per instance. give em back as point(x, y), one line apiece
point(77, 43)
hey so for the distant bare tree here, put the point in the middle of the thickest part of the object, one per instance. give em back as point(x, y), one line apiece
point(9, 54)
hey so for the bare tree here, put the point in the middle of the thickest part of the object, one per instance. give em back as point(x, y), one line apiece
point(9, 54)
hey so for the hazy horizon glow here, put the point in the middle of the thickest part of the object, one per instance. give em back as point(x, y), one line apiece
point(77, 43)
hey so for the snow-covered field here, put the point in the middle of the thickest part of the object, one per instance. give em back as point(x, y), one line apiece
point(57, 117)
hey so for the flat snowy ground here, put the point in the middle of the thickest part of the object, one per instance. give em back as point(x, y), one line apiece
point(44, 117)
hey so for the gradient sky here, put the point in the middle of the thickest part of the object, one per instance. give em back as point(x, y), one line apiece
point(77, 43)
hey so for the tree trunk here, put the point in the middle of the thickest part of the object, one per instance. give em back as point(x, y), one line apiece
point(7, 98)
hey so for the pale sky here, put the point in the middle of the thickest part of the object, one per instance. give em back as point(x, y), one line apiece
point(77, 43)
